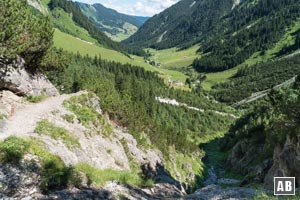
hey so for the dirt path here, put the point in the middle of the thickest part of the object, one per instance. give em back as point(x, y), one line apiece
point(24, 120)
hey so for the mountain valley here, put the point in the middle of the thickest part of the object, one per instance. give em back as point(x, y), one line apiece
point(200, 101)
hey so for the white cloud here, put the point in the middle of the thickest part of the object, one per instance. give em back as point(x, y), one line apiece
point(135, 7)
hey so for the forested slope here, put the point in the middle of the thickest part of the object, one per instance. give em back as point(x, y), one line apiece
point(229, 32)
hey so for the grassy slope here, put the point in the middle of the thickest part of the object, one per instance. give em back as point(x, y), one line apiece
point(84, 44)
point(66, 23)
point(219, 77)
point(73, 44)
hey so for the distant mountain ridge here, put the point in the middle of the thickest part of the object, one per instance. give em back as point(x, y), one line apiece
point(183, 22)
point(229, 31)
point(116, 25)
point(68, 18)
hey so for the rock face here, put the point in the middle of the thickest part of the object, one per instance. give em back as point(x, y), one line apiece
point(244, 158)
point(14, 77)
point(22, 181)
point(243, 154)
point(286, 161)
point(8, 102)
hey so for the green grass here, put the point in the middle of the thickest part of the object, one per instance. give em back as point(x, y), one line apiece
point(287, 40)
point(44, 127)
point(86, 114)
point(54, 173)
point(66, 23)
point(219, 77)
point(173, 62)
point(100, 177)
point(122, 35)
point(174, 59)
point(68, 118)
point(76, 45)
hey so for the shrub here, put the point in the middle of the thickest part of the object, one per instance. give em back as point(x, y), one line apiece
point(56, 175)
point(13, 149)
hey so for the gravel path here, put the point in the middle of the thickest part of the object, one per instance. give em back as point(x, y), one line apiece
point(24, 120)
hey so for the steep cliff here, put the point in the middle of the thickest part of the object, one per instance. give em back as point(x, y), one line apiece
point(266, 141)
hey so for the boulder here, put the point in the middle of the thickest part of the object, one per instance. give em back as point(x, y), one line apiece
point(14, 77)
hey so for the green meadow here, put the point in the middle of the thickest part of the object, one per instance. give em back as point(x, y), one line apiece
point(173, 58)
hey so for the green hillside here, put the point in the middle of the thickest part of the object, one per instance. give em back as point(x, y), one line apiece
point(229, 33)
point(287, 40)
point(77, 45)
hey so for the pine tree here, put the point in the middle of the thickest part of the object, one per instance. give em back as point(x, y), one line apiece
point(22, 33)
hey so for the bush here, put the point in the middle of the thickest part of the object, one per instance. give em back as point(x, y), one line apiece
point(22, 33)
point(13, 149)
point(56, 175)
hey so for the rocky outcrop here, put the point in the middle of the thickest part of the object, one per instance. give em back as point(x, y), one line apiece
point(15, 78)
point(116, 150)
point(37, 4)
point(8, 103)
point(245, 158)
point(286, 161)
point(243, 154)
point(22, 181)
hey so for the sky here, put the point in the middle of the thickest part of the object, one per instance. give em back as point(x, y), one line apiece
point(135, 7)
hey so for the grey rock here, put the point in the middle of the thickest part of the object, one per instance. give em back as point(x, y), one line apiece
point(286, 161)
point(14, 77)
point(215, 192)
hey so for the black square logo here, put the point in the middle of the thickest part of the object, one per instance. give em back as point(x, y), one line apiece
point(284, 185)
